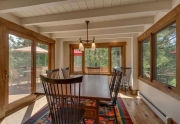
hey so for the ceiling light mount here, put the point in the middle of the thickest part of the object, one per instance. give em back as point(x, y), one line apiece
point(81, 47)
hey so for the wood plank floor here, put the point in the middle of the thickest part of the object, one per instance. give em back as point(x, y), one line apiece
point(139, 112)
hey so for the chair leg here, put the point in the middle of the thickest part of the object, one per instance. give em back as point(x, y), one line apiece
point(115, 115)
point(84, 121)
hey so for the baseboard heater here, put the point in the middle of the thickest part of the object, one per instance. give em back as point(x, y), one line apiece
point(162, 115)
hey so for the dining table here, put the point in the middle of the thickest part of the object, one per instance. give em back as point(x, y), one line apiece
point(94, 87)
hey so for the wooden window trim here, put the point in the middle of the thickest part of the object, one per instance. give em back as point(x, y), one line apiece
point(172, 16)
point(98, 45)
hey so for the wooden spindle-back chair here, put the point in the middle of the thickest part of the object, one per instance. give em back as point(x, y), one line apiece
point(58, 91)
point(53, 74)
point(113, 80)
point(65, 72)
point(114, 94)
point(126, 75)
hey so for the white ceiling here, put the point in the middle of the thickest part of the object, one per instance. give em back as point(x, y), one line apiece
point(109, 19)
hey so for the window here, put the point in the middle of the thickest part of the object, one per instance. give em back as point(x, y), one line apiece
point(165, 55)
point(116, 58)
point(103, 59)
point(97, 58)
point(159, 55)
point(20, 67)
point(145, 58)
point(41, 63)
point(77, 60)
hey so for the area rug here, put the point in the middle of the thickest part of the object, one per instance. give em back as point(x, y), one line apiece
point(42, 116)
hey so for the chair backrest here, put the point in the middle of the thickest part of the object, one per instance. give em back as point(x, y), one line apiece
point(113, 80)
point(116, 86)
point(53, 74)
point(93, 70)
point(65, 72)
point(59, 94)
point(126, 74)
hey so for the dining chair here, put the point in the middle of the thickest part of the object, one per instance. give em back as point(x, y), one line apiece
point(113, 80)
point(62, 110)
point(126, 75)
point(53, 73)
point(65, 72)
point(112, 103)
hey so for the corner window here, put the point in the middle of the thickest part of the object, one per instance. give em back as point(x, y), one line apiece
point(165, 55)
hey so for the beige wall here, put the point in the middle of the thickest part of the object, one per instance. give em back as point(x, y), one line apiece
point(167, 104)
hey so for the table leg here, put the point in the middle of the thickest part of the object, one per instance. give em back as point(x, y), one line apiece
point(97, 111)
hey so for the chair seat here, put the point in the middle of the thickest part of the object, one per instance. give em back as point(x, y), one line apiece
point(70, 115)
point(88, 102)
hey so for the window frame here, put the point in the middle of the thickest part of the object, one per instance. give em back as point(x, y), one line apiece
point(172, 16)
point(98, 45)
point(141, 60)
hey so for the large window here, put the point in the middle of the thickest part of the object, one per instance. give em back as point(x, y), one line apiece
point(106, 57)
point(20, 67)
point(145, 58)
point(159, 55)
point(97, 58)
point(165, 55)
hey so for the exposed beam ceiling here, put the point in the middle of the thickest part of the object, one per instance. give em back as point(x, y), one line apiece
point(104, 40)
point(115, 36)
point(138, 29)
point(99, 25)
point(119, 10)
point(18, 5)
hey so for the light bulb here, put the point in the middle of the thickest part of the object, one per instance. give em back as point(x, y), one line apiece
point(81, 47)
point(93, 47)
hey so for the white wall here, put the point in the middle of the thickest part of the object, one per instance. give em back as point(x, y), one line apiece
point(166, 103)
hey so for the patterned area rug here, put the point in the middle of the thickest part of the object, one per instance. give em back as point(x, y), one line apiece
point(42, 116)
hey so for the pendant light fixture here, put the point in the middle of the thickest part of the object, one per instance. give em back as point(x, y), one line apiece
point(93, 46)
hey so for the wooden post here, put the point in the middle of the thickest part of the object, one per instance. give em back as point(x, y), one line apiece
point(3, 73)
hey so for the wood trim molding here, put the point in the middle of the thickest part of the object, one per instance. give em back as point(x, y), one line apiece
point(17, 28)
point(161, 87)
point(168, 18)
point(113, 44)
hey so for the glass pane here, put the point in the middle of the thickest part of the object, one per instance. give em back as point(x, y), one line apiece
point(20, 67)
point(97, 58)
point(145, 58)
point(165, 70)
point(41, 63)
point(77, 60)
point(116, 58)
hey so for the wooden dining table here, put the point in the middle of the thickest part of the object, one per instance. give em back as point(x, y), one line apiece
point(93, 87)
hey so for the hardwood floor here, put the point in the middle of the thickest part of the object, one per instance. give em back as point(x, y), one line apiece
point(139, 112)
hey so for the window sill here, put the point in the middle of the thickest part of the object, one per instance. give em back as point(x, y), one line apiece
point(160, 86)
